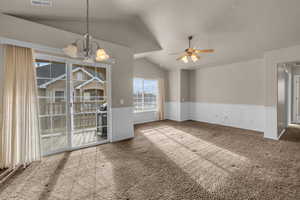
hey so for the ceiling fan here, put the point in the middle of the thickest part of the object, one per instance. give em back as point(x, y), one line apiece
point(192, 53)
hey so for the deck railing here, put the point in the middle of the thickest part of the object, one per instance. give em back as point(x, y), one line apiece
point(58, 108)
point(86, 115)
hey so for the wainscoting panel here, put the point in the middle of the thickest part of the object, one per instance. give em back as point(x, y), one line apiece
point(143, 117)
point(271, 123)
point(185, 112)
point(250, 117)
point(122, 123)
point(172, 111)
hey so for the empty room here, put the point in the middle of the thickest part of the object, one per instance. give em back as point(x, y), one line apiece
point(149, 100)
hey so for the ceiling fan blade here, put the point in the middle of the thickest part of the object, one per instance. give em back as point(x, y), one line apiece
point(175, 53)
point(179, 58)
point(204, 50)
point(197, 56)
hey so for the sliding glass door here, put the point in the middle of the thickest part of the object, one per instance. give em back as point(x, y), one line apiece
point(52, 87)
point(89, 105)
point(73, 105)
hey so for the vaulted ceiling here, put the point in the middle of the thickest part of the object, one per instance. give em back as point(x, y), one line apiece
point(236, 29)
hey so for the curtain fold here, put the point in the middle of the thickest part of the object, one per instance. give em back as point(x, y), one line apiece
point(161, 99)
point(19, 127)
point(2, 55)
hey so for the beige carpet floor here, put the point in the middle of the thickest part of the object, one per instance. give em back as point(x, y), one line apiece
point(169, 160)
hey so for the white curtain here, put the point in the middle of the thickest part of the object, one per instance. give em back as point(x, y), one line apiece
point(1, 80)
point(19, 126)
point(161, 99)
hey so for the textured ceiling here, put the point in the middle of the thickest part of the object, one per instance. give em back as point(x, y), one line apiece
point(236, 29)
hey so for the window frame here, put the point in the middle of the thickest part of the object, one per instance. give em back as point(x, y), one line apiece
point(61, 98)
point(142, 110)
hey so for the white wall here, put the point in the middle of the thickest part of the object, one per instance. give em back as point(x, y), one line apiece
point(122, 123)
point(236, 115)
point(173, 108)
point(236, 83)
point(178, 101)
point(143, 117)
point(145, 69)
point(231, 95)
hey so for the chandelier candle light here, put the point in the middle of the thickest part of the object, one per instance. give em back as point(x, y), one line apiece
point(86, 48)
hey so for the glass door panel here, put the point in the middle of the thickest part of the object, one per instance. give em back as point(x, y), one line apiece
point(89, 105)
point(52, 87)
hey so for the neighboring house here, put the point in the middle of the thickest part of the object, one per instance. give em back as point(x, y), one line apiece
point(88, 85)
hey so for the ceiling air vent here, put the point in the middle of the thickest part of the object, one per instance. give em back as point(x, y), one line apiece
point(47, 3)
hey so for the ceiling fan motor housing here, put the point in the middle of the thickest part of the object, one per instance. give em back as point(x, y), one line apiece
point(190, 51)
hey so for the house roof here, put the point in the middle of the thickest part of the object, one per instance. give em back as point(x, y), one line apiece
point(59, 73)
point(87, 82)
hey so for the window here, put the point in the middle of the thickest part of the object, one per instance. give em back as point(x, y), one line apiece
point(79, 76)
point(59, 96)
point(145, 93)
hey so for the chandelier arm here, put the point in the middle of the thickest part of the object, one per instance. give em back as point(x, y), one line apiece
point(96, 43)
point(87, 30)
point(76, 42)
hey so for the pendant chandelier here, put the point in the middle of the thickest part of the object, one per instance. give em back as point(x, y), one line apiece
point(86, 48)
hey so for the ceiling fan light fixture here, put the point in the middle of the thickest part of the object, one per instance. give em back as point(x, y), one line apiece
point(185, 59)
point(192, 53)
point(194, 58)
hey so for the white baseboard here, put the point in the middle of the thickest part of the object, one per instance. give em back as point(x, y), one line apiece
point(122, 123)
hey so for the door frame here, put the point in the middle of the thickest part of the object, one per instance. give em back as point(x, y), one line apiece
point(69, 63)
point(295, 100)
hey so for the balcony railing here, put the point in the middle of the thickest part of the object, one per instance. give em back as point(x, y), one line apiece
point(59, 108)
point(86, 115)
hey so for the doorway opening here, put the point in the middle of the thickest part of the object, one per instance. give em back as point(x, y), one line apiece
point(288, 97)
